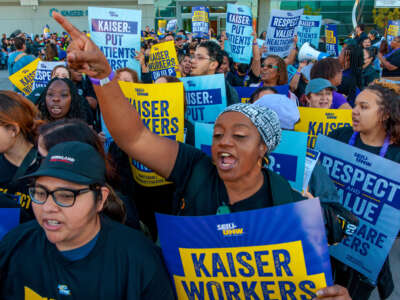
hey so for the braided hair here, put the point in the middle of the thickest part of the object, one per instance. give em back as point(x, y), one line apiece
point(77, 109)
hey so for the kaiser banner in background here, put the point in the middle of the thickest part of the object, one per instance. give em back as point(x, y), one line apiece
point(281, 30)
point(160, 107)
point(309, 30)
point(246, 92)
point(43, 72)
point(205, 97)
point(370, 189)
point(117, 33)
point(316, 121)
point(238, 30)
point(162, 24)
point(163, 60)
point(23, 79)
point(288, 159)
point(203, 133)
point(172, 25)
point(331, 40)
point(200, 21)
point(9, 218)
point(250, 254)
point(393, 30)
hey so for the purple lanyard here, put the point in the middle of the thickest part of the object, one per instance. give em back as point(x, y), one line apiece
point(389, 54)
point(383, 150)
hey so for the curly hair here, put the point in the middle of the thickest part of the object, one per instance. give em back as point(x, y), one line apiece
point(389, 94)
point(77, 109)
point(214, 51)
point(326, 68)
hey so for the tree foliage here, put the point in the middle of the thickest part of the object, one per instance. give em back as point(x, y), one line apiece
point(310, 12)
point(383, 15)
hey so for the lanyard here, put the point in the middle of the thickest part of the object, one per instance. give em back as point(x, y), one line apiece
point(383, 150)
point(391, 52)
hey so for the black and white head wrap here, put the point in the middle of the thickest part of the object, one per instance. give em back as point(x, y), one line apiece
point(265, 120)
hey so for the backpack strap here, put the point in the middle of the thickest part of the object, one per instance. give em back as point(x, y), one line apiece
point(19, 56)
point(29, 158)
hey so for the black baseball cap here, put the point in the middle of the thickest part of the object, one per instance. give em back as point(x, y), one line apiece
point(75, 162)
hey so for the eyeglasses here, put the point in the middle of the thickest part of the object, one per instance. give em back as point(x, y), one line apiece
point(62, 196)
point(269, 66)
point(202, 58)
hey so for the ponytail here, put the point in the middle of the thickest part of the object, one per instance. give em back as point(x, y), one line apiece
point(113, 207)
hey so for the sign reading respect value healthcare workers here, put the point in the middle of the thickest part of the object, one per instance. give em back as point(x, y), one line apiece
point(370, 189)
point(281, 30)
point(309, 30)
point(23, 79)
point(200, 22)
point(316, 121)
point(331, 40)
point(205, 97)
point(160, 106)
point(163, 60)
point(239, 27)
point(248, 255)
point(43, 72)
point(117, 33)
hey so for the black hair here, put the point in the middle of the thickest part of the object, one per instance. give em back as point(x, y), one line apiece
point(77, 109)
point(356, 61)
point(361, 26)
point(19, 43)
point(258, 91)
point(214, 51)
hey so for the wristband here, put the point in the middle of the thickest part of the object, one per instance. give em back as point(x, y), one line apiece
point(298, 73)
point(255, 43)
point(103, 81)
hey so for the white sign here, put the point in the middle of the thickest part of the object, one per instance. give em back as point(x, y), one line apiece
point(387, 3)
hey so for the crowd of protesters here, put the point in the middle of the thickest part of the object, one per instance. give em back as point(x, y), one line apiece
point(88, 232)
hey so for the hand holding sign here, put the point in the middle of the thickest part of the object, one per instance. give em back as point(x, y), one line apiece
point(335, 292)
point(83, 55)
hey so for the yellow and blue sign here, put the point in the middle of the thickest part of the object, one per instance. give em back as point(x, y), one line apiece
point(9, 218)
point(205, 97)
point(160, 107)
point(309, 30)
point(370, 189)
point(317, 121)
point(161, 24)
point(331, 40)
point(200, 22)
point(117, 33)
point(24, 78)
point(163, 60)
point(246, 92)
point(248, 255)
point(393, 30)
point(239, 27)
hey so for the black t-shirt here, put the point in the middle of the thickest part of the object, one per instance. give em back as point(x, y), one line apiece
point(122, 265)
point(7, 172)
point(344, 134)
point(203, 191)
point(245, 80)
point(394, 59)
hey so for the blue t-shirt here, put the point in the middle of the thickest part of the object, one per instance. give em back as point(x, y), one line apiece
point(81, 252)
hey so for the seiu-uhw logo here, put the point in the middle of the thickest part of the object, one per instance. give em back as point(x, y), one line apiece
point(113, 14)
point(191, 83)
point(289, 14)
point(240, 9)
point(330, 116)
point(230, 229)
point(362, 159)
point(64, 290)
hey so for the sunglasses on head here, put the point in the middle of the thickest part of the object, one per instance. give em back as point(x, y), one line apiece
point(269, 66)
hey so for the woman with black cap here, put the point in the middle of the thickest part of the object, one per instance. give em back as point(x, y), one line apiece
point(233, 180)
point(74, 249)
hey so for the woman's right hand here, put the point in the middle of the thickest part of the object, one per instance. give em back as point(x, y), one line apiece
point(82, 54)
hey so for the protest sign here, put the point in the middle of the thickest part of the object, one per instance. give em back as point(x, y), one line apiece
point(238, 31)
point(160, 107)
point(308, 30)
point(281, 30)
point(43, 73)
point(117, 33)
point(248, 255)
point(331, 40)
point(316, 121)
point(393, 30)
point(162, 24)
point(288, 159)
point(205, 97)
point(172, 25)
point(246, 92)
point(370, 189)
point(200, 21)
point(23, 79)
point(9, 218)
point(203, 133)
point(311, 160)
point(163, 60)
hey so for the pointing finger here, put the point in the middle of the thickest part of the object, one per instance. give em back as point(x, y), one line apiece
point(71, 29)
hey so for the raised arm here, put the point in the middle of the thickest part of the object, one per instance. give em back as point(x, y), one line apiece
point(121, 118)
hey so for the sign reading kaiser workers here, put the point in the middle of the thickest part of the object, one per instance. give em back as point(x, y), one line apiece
point(369, 187)
point(331, 40)
point(239, 27)
point(43, 72)
point(163, 60)
point(316, 121)
point(248, 255)
point(117, 33)
point(205, 97)
point(23, 78)
point(160, 106)
point(309, 30)
point(281, 30)
point(200, 22)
